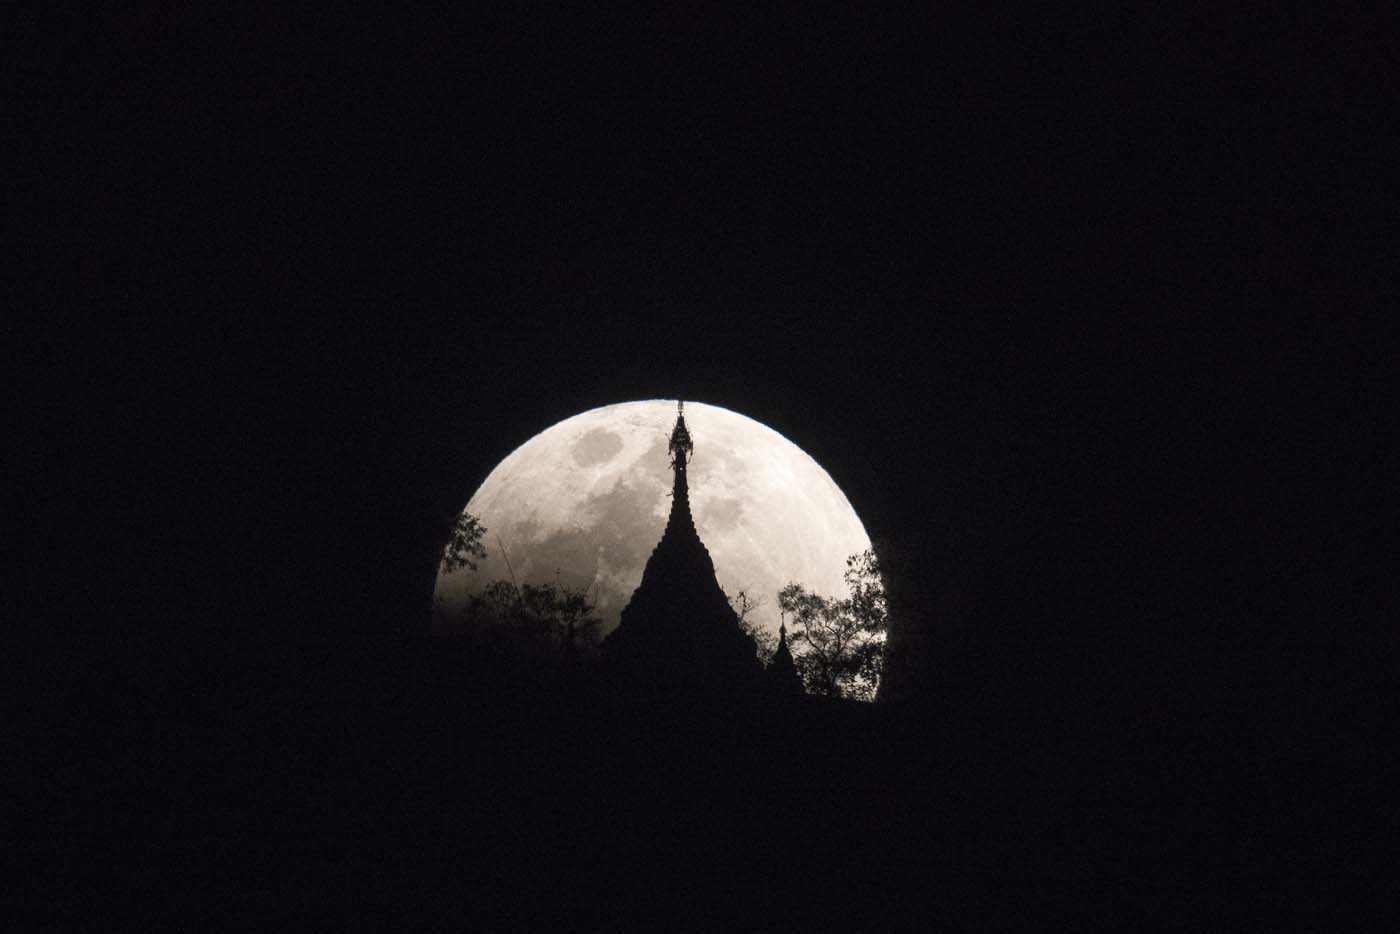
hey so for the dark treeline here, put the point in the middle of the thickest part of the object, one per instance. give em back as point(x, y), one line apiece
point(1025, 742)
point(836, 642)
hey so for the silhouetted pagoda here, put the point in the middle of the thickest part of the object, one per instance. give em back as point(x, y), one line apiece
point(678, 633)
point(781, 675)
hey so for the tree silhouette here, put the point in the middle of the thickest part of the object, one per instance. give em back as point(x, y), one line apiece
point(464, 548)
point(838, 643)
point(563, 615)
point(763, 640)
point(540, 621)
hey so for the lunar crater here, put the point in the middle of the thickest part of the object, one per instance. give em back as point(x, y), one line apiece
point(596, 447)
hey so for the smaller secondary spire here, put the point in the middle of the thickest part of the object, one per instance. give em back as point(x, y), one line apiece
point(782, 670)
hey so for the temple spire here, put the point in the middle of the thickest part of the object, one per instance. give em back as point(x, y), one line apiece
point(678, 632)
point(782, 674)
point(680, 449)
point(681, 445)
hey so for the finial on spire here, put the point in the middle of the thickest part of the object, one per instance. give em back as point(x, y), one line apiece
point(681, 446)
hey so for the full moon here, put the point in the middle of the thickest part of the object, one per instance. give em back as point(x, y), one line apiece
point(585, 501)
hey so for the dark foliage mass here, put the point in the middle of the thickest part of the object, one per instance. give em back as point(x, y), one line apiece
point(837, 643)
point(464, 549)
point(542, 623)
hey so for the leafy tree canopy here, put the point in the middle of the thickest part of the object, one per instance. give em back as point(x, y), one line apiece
point(464, 548)
point(838, 644)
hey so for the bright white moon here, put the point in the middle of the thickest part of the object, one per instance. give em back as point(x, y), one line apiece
point(588, 499)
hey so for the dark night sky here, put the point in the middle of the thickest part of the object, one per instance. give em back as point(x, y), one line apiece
point(1068, 306)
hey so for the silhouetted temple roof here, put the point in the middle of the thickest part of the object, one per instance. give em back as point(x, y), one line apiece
point(782, 674)
point(679, 631)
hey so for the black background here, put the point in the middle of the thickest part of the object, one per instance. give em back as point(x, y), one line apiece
point(1073, 308)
